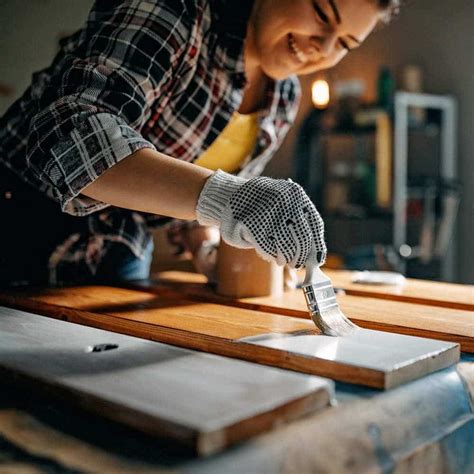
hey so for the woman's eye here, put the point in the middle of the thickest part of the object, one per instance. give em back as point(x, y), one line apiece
point(320, 13)
point(344, 45)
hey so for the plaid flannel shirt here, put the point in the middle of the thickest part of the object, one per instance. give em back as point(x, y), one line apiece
point(162, 74)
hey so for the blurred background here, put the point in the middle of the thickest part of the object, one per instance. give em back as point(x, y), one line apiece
point(383, 142)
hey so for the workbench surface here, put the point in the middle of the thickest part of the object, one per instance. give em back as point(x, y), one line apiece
point(423, 426)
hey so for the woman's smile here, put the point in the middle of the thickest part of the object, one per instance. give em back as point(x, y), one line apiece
point(302, 36)
point(295, 51)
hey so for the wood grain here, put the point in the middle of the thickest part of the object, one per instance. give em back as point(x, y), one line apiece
point(442, 323)
point(440, 294)
point(216, 328)
point(379, 350)
point(34, 437)
point(130, 306)
point(204, 401)
point(430, 293)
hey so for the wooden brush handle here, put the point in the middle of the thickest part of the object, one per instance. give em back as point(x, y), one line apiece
point(313, 271)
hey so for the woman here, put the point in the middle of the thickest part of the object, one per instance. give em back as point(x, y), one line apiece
point(141, 107)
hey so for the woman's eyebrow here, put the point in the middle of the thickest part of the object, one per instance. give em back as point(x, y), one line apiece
point(320, 12)
point(337, 16)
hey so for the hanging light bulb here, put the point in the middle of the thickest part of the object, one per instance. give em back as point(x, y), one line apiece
point(320, 93)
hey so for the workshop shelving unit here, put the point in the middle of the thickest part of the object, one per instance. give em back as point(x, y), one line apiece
point(426, 152)
point(447, 166)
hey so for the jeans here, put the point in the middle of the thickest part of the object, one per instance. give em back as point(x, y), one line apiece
point(120, 264)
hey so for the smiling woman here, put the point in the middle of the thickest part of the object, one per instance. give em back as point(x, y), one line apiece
point(304, 36)
point(114, 131)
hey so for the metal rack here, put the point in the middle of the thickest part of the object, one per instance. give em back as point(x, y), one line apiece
point(448, 167)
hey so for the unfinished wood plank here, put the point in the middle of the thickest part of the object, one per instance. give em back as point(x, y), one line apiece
point(34, 437)
point(446, 324)
point(205, 401)
point(209, 327)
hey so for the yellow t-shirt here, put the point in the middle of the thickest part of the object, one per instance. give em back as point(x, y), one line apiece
point(230, 149)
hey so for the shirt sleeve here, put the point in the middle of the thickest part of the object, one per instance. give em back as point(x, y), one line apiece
point(92, 111)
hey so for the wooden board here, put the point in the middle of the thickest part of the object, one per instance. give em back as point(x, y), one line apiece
point(446, 324)
point(380, 351)
point(432, 293)
point(205, 401)
point(225, 330)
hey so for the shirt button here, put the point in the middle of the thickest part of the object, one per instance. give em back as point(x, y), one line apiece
point(8, 195)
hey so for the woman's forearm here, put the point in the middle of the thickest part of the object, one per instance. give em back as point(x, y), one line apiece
point(149, 181)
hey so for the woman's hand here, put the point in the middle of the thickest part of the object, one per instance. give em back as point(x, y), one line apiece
point(274, 216)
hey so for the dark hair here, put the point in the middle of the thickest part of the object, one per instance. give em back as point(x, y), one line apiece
point(390, 8)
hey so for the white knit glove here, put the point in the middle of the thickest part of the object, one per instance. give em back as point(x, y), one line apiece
point(274, 216)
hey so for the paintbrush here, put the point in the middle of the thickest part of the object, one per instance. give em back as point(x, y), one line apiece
point(322, 304)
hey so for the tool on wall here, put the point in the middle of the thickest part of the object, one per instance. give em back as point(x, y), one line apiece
point(451, 198)
point(434, 204)
point(441, 201)
point(428, 223)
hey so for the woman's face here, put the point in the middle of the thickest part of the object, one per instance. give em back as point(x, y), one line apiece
point(303, 36)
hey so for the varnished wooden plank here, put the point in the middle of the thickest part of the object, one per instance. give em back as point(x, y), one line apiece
point(202, 400)
point(372, 313)
point(434, 322)
point(432, 293)
point(197, 317)
point(205, 326)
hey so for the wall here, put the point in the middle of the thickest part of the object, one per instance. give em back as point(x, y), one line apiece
point(29, 33)
point(439, 36)
point(434, 33)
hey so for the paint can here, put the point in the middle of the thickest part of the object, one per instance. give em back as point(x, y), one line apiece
point(242, 273)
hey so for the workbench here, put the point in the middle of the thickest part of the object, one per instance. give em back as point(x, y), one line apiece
point(423, 426)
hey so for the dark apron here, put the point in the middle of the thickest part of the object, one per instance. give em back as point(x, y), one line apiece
point(32, 226)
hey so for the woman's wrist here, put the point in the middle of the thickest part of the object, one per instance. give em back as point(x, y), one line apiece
point(215, 195)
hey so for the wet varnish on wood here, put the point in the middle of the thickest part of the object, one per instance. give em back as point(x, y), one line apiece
point(431, 293)
point(231, 331)
point(370, 312)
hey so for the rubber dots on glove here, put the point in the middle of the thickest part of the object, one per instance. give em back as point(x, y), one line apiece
point(280, 220)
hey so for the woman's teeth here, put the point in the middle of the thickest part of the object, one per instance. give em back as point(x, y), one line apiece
point(295, 50)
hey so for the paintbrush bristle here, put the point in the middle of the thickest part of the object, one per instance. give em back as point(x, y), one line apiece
point(333, 323)
point(323, 307)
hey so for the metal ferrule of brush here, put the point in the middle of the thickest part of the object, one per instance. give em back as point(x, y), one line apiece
point(322, 305)
point(320, 297)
